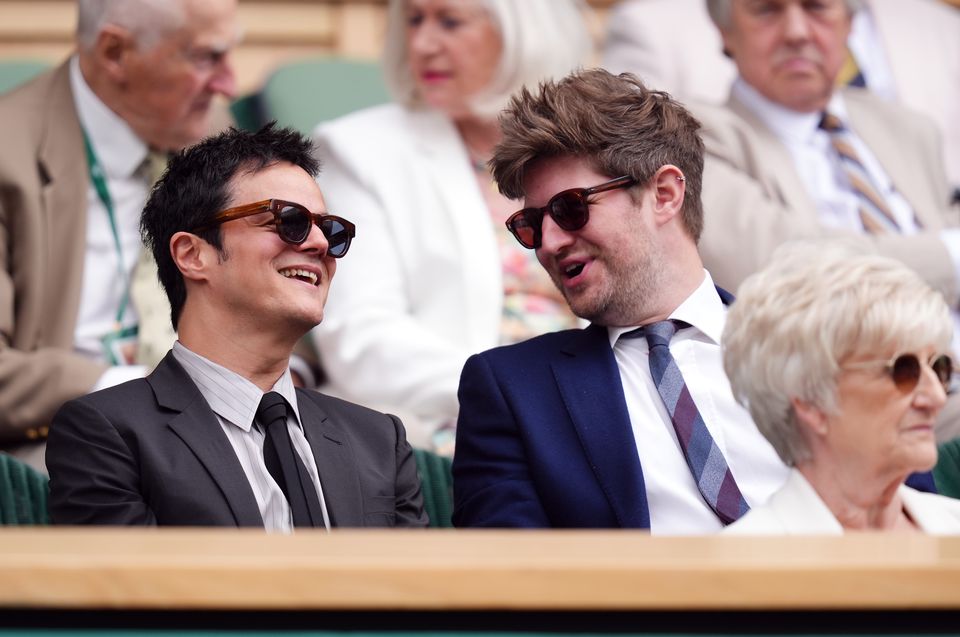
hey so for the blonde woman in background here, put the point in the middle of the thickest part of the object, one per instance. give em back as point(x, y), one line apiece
point(436, 275)
point(842, 361)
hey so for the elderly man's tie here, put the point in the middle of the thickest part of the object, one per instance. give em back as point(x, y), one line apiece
point(284, 463)
point(875, 213)
point(706, 461)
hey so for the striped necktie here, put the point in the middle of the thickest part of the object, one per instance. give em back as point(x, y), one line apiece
point(875, 213)
point(703, 456)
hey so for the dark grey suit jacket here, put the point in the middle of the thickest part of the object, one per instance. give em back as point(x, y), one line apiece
point(152, 452)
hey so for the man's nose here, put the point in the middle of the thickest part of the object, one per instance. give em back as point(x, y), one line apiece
point(315, 241)
point(223, 81)
point(553, 238)
point(796, 23)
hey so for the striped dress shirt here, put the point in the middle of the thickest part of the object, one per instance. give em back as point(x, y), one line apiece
point(234, 400)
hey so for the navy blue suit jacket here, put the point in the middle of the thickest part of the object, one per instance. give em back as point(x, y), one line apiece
point(544, 438)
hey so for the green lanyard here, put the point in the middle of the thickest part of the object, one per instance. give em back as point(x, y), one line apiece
point(98, 179)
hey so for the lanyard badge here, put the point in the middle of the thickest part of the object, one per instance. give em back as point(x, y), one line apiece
point(120, 344)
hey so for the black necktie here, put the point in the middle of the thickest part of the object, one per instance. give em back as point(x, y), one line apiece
point(284, 464)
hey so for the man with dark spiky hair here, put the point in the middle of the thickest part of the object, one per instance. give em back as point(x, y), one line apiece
point(217, 435)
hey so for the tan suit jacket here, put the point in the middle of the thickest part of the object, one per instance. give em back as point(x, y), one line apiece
point(43, 195)
point(754, 199)
point(43, 225)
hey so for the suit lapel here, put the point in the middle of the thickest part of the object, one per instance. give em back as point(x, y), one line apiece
point(339, 478)
point(908, 176)
point(198, 427)
point(589, 383)
point(63, 206)
point(783, 179)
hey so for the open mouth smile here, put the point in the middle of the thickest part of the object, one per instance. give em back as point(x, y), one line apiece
point(301, 275)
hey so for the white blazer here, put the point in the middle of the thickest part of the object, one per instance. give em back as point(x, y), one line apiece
point(421, 289)
point(673, 46)
point(796, 509)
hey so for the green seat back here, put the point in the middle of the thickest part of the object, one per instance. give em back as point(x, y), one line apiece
point(23, 493)
point(15, 72)
point(247, 112)
point(436, 480)
point(303, 94)
point(947, 472)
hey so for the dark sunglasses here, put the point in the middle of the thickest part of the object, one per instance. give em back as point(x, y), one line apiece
point(568, 209)
point(905, 370)
point(293, 223)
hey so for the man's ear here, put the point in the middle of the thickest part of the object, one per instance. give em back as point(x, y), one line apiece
point(112, 51)
point(192, 255)
point(810, 417)
point(669, 187)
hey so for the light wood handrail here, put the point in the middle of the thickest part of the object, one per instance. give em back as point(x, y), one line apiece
point(471, 570)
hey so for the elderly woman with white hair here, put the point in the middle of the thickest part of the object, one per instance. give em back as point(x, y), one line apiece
point(842, 362)
point(435, 276)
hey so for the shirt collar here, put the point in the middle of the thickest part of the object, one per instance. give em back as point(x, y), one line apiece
point(118, 149)
point(787, 124)
point(230, 395)
point(703, 310)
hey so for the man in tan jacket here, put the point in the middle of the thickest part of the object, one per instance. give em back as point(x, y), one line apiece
point(74, 176)
point(791, 157)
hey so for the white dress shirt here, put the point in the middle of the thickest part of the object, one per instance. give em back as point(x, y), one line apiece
point(234, 400)
point(819, 165)
point(120, 153)
point(675, 503)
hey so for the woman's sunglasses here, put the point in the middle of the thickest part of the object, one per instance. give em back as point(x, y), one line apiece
point(905, 369)
point(569, 209)
point(293, 223)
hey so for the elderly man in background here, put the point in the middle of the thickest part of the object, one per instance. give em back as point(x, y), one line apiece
point(843, 363)
point(791, 157)
point(74, 175)
point(907, 52)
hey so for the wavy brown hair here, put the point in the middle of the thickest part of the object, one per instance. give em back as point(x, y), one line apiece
point(613, 121)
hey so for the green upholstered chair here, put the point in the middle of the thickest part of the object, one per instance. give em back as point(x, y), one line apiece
point(247, 112)
point(947, 472)
point(16, 72)
point(304, 93)
point(436, 480)
point(23, 493)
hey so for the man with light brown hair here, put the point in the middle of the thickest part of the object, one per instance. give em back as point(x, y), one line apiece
point(629, 422)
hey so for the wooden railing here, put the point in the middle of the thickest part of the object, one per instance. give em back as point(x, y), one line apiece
point(472, 570)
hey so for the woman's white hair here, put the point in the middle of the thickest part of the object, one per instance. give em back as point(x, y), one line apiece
point(719, 10)
point(540, 39)
point(812, 308)
point(147, 20)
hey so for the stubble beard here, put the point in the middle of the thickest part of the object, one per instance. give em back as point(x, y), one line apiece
point(628, 293)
